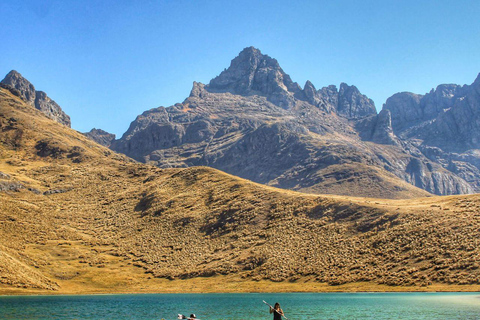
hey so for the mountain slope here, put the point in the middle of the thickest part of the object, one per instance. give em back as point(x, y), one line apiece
point(256, 140)
point(78, 218)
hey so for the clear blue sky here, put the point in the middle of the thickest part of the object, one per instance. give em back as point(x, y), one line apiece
point(105, 62)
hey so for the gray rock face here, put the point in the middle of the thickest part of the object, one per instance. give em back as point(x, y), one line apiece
point(405, 109)
point(352, 104)
point(378, 128)
point(37, 99)
point(456, 128)
point(413, 114)
point(436, 101)
point(252, 72)
point(444, 125)
point(51, 109)
point(412, 166)
point(347, 102)
point(26, 89)
point(433, 179)
point(101, 137)
point(203, 117)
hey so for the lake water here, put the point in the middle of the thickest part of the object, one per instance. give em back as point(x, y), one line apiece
point(245, 306)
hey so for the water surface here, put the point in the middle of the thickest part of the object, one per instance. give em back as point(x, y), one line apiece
point(297, 306)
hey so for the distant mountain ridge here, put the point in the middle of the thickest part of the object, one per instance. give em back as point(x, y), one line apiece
point(255, 122)
point(444, 125)
point(252, 72)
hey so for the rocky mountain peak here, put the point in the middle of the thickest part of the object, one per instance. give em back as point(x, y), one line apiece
point(15, 80)
point(309, 86)
point(101, 136)
point(250, 59)
point(330, 133)
point(252, 72)
point(352, 104)
point(310, 92)
point(347, 102)
point(254, 55)
point(197, 90)
point(37, 99)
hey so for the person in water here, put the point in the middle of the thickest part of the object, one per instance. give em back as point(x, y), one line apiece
point(277, 311)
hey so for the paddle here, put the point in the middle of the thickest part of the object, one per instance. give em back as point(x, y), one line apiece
point(275, 310)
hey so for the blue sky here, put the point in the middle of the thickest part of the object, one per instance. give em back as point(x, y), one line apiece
point(105, 62)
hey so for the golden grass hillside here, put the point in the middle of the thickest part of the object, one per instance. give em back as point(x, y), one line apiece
point(78, 218)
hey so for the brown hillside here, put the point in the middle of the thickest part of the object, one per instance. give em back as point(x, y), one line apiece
point(75, 217)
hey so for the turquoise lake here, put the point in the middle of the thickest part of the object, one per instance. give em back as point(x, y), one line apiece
point(245, 306)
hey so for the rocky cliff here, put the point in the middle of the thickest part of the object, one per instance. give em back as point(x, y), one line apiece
point(37, 99)
point(347, 102)
point(253, 73)
point(442, 125)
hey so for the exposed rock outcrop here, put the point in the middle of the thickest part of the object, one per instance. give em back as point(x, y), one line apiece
point(100, 136)
point(445, 117)
point(26, 89)
point(352, 104)
point(432, 178)
point(377, 128)
point(252, 72)
point(37, 99)
point(347, 102)
point(444, 126)
point(405, 110)
point(50, 108)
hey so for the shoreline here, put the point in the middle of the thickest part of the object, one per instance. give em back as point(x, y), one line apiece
point(228, 284)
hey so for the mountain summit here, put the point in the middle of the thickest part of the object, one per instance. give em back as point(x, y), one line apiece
point(252, 72)
point(37, 99)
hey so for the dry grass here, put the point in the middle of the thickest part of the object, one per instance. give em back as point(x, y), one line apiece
point(362, 180)
point(86, 220)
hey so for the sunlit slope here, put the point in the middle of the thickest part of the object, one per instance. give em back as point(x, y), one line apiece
point(75, 217)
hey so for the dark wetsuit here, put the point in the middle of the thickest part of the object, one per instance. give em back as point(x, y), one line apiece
point(276, 316)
